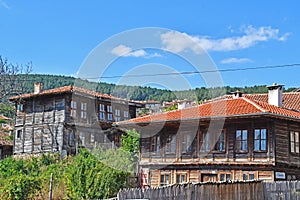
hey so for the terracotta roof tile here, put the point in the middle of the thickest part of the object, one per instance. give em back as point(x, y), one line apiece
point(66, 89)
point(223, 107)
point(219, 108)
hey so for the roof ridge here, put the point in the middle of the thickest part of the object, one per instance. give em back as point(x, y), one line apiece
point(252, 102)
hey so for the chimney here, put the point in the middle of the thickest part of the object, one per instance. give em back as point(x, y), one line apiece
point(38, 88)
point(236, 94)
point(275, 94)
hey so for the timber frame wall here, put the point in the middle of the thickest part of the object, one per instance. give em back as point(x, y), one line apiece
point(47, 124)
point(161, 163)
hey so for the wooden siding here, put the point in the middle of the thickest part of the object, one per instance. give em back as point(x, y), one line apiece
point(40, 125)
point(195, 176)
point(263, 165)
point(283, 151)
point(196, 155)
point(45, 123)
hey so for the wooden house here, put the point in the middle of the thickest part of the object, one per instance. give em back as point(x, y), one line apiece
point(234, 137)
point(67, 118)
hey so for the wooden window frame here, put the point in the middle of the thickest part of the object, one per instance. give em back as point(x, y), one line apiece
point(260, 140)
point(171, 140)
point(187, 141)
point(155, 144)
point(163, 176)
point(73, 106)
point(180, 175)
point(126, 114)
point(241, 141)
point(19, 134)
point(294, 142)
point(83, 107)
point(72, 138)
point(217, 144)
point(227, 176)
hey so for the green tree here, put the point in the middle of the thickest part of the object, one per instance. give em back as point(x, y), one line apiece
point(88, 178)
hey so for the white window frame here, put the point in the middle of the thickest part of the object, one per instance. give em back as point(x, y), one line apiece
point(109, 108)
point(117, 112)
point(102, 115)
point(83, 110)
point(73, 109)
point(101, 107)
point(126, 114)
point(109, 116)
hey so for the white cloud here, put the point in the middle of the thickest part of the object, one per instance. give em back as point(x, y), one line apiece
point(4, 5)
point(177, 42)
point(125, 51)
point(235, 60)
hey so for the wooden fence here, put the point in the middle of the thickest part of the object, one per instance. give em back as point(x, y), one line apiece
point(252, 190)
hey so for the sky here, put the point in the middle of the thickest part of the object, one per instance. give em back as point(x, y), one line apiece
point(151, 43)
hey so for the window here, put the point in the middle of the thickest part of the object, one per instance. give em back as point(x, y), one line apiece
point(171, 144)
point(73, 104)
point(294, 142)
point(126, 115)
point(73, 108)
point(117, 112)
point(247, 177)
point(82, 138)
point(109, 117)
point(20, 107)
point(186, 142)
point(101, 107)
point(109, 109)
point(220, 142)
point(180, 178)
point(102, 115)
point(19, 134)
point(117, 115)
point(241, 140)
point(224, 177)
point(109, 114)
point(155, 144)
point(72, 138)
point(260, 139)
point(206, 142)
point(83, 110)
point(92, 138)
point(164, 179)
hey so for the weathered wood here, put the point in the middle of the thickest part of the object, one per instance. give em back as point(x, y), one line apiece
point(226, 191)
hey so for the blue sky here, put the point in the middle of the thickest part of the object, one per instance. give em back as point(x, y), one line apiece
point(59, 36)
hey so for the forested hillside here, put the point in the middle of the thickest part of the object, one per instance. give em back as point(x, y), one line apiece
point(137, 92)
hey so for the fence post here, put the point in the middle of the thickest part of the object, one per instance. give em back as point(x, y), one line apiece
point(50, 190)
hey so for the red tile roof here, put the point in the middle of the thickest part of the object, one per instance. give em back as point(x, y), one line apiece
point(291, 100)
point(66, 89)
point(223, 107)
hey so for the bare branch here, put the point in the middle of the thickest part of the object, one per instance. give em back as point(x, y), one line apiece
point(13, 78)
